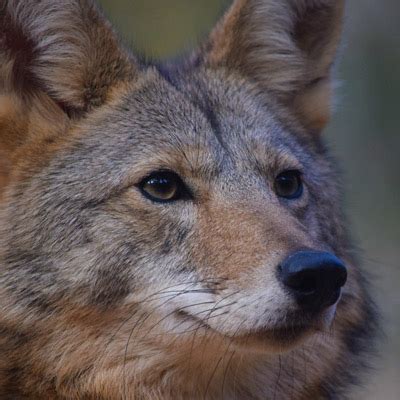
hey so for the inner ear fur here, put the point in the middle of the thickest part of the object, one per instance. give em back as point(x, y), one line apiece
point(287, 47)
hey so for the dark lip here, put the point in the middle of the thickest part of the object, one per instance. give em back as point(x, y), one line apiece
point(280, 335)
point(283, 333)
point(193, 318)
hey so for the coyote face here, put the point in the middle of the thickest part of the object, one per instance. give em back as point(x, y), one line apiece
point(173, 231)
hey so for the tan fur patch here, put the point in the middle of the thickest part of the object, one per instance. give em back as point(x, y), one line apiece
point(237, 239)
point(313, 105)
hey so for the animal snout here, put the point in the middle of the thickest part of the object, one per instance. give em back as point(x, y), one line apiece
point(315, 278)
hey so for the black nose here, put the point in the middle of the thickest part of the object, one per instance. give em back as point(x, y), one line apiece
point(314, 277)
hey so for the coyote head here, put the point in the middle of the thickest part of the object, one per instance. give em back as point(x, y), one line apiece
point(173, 231)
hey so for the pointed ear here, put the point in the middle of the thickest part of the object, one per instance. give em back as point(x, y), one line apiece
point(65, 49)
point(58, 61)
point(287, 47)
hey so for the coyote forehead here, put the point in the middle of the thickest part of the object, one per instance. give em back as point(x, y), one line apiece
point(174, 231)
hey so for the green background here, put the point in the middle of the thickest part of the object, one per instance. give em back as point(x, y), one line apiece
point(364, 134)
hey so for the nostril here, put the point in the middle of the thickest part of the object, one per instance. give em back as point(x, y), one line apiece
point(304, 281)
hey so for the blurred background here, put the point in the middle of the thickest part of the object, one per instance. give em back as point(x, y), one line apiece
point(364, 134)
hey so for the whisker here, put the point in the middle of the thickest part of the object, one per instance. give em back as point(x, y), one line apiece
point(177, 311)
point(219, 361)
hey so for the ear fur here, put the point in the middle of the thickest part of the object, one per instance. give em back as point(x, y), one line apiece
point(58, 61)
point(287, 47)
point(63, 48)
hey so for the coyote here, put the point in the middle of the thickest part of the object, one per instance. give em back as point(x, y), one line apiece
point(174, 230)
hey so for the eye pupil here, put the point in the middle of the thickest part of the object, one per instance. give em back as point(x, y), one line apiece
point(162, 186)
point(288, 184)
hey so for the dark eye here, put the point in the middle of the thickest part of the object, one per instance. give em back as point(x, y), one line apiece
point(289, 185)
point(163, 186)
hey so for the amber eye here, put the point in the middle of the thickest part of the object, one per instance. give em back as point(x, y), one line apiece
point(289, 185)
point(163, 186)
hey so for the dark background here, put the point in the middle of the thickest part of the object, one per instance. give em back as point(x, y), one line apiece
point(364, 134)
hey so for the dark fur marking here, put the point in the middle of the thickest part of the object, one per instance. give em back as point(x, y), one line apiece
point(13, 337)
point(171, 74)
point(176, 236)
point(21, 49)
point(110, 288)
point(112, 280)
point(211, 116)
point(181, 235)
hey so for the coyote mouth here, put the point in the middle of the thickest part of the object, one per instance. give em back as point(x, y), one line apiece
point(182, 314)
point(296, 328)
point(280, 334)
point(283, 335)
